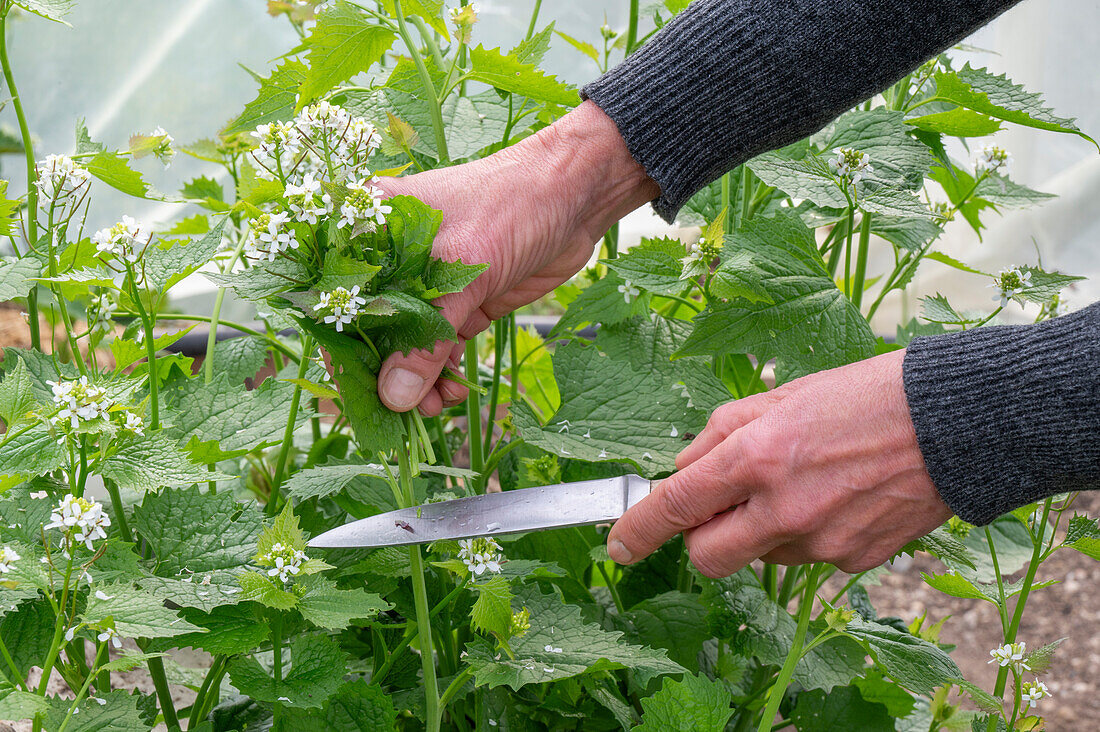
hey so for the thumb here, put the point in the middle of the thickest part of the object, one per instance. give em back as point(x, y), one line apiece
point(405, 380)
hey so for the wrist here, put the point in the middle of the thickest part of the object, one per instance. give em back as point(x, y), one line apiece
point(583, 159)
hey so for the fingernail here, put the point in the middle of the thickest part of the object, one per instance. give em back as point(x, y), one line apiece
point(402, 388)
point(618, 552)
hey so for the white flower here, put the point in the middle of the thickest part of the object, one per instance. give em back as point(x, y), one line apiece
point(70, 634)
point(80, 519)
point(307, 202)
point(340, 306)
point(134, 423)
point(1010, 654)
point(1009, 283)
point(992, 159)
point(101, 595)
point(480, 555)
point(850, 165)
point(110, 634)
point(101, 308)
point(270, 236)
point(363, 208)
point(1033, 692)
point(629, 291)
point(126, 239)
point(277, 147)
point(58, 177)
point(80, 401)
point(8, 556)
point(285, 562)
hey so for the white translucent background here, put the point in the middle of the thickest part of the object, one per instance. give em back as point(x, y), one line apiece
point(129, 66)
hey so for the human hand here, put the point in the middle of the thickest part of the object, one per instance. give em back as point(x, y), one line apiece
point(533, 212)
point(825, 468)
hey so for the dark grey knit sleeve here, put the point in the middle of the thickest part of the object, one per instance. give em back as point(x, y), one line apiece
point(1008, 415)
point(729, 79)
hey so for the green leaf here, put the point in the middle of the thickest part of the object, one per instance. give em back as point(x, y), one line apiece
point(129, 661)
point(152, 463)
point(220, 420)
point(585, 648)
point(531, 50)
point(1041, 659)
point(17, 398)
point(126, 351)
point(28, 633)
point(840, 710)
point(873, 687)
point(653, 265)
point(510, 74)
point(356, 373)
point(738, 276)
point(605, 301)
point(1045, 285)
point(1005, 193)
point(114, 169)
point(936, 309)
point(54, 10)
point(357, 707)
point(343, 271)
point(692, 704)
point(259, 588)
point(229, 630)
point(952, 262)
point(190, 530)
point(164, 267)
point(958, 586)
point(326, 480)
point(121, 713)
point(411, 226)
point(431, 12)
point(443, 277)
point(203, 590)
point(880, 133)
point(328, 607)
point(583, 46)
point(957, 122)
point(914, 663)
point(20, 706)
point(16, 276)
point(492, 611)
point(204, 189)
point(411, 325)
point(1083, 535)
point(908, 233)
point(134, 613)
point(627, 404)
point(30, 453)
point(998, 97)
point(344, 42)
point(809, 324)
point(263, 279)
point(944, 546)
point(674, 621)
point(240, 358)
point(982, 699)
point(274, 101)
point(317, 671)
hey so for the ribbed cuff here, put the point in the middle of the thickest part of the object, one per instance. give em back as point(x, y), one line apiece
point(1008, 415)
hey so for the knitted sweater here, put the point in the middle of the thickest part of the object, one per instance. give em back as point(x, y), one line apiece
point(1003, 416)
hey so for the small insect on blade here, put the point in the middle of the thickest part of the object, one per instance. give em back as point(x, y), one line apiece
point(403, 525)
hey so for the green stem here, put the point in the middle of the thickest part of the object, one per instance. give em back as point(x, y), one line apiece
point(500, 336)
point(426, 34)
point(16, 678)
point(277, 661)
point(534, 20)
point(611, 241)
point(426, 81)
point(770, 580)
point(273, 342)
point(212, 336)
point(288, 433)
point(28, 152)
point(612, 588)
point(164, 694)
point(473, 410)
point(420, 601)
point(120, 514)
point(1018, 613)
point(861, 259)
point(727, 198)
point(746, 190)
point(411, 634)
point(83, 689)
point(453, 688)
point(514, 355)
point(204, 690)
point(632, 28)
point(848, 251)
point(150, 350)
point(779, 689)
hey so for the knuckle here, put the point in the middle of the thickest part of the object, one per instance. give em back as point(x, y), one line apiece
point(707, 563)
point(756, 456)
point(677, 506)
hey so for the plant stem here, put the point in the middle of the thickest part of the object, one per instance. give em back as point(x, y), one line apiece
point(150, 350)
point(514, 355)
point(425, 81)
point(120, 514)
point(770, 580)
point(16, 677)
point(611, 241)
point(848, 252)
point(632, 28)
point(473, 411)
point(288, 433)
point(727, 197)
point(500, 338)
point(534, 20)
point(212, 336)
point(746, 189)
point(861, 258)
point(204, 690)
point(420, 601)
point(611, 587)
point(164, 695)
point(277, 660)
point(1018, 613)
point(453, 688)
point(28, 152)
point(83, 689)
point(778, 690)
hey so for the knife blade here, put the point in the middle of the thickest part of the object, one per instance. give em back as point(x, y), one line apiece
point(582, 503)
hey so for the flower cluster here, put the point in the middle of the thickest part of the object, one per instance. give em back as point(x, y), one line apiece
point(110, 634)
point(101, 309)
point(464, 18)
point(702, 250)
point(323, 138)
point(82, 521)
point(1032, 693)
point(58, 177)
point(480, 555)
point(520, 623)
point(284, 561)
point(161, 144)
point(1011, 654)
point(306, 200)
point(362, 208)
point(8, 556)
point(340, 306)
point(133, 423)
point(80, 401)
point(991, 159)
point(127, 240)
point(850, 165)
point(1009, 284)
point(269, 236)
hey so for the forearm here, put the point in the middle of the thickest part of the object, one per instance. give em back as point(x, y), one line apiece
point(729, 79)
point(1009, 415)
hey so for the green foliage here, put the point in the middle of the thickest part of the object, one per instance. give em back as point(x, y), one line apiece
point(134, 613)
point(343, 43)
point(275, 101)
point(317, 671)
point(508, 73)
point(692, 704)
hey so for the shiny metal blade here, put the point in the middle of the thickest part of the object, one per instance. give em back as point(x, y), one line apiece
point(492, 514)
